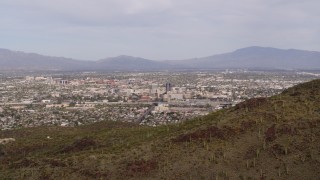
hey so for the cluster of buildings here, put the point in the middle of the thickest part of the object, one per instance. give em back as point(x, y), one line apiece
point(154, 98)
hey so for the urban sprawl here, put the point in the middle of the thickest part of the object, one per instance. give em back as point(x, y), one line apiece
point(147, 98)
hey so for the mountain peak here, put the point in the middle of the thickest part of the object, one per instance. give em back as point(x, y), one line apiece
point(125, 56)
point(257, 48)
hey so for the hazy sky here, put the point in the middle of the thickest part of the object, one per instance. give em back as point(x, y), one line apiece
point(156, 29)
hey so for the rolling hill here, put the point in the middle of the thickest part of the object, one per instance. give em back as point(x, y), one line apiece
point(262, 138)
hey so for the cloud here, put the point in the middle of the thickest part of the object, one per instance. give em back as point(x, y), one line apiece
point(82, 11)
point(158, 29)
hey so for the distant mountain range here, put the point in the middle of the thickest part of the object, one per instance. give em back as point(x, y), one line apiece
point(16, 60)
point(251, 57)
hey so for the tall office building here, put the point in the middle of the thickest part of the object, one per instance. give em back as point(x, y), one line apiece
point(168, 87)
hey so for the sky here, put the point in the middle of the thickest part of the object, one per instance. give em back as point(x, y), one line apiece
point(156, 29)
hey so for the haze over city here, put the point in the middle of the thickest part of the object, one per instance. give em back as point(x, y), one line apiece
point(156, 29)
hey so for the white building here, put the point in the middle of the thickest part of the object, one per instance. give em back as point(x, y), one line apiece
point(29, 78)
point(162, 108)
point(46, 101)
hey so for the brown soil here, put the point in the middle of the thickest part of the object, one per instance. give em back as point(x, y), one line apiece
point(270, 134)
point(79, 145)
point(140, 167)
